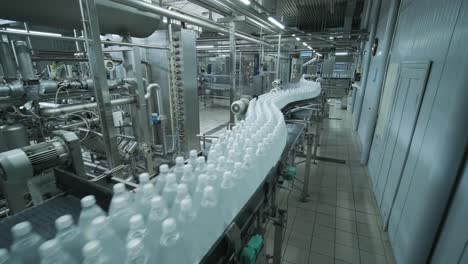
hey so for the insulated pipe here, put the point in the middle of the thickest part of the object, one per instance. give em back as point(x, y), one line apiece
point(151, 91)
point(24, 61)
point(82, 107)
point(147, 7)
point(7, 61)
point(369, 127)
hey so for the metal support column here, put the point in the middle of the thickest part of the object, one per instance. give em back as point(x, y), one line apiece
point(96, 63)
point(232, 45)
point(310, 142)
point(279, 224)
point(278, 58)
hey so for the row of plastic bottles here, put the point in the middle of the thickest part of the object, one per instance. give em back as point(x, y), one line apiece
point(177, 218)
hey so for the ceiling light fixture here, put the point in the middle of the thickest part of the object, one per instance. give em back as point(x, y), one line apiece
point(246, 2)
point(293, 35)
point(205, 47)
point(309, 47)
point(305, 44)
point(275, 22)
point(341, 53)
point(318, 54)
point(298, 39)
point(331, 38)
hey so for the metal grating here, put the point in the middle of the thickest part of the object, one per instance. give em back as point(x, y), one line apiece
point(317, 15)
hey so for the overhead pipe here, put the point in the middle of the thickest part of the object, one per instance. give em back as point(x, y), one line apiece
point(82, 107)
point(147, 7)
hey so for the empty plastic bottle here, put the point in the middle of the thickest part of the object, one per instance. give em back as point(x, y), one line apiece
point(137, 228)
point(193, 158)
point(94, 254)
point(172, 249)
point(5, 257)
point(238, 173)
point(170, 190)
point(231, 159)
point(189, 179)
point(161, 179)
point(137, 253)
point(212, 173)
point(119, 191)
point(143, 179)
point(52, 253)
point(157, 215)
point(70, 237)
point(198, 194)
point(221, 166)
point(209, 222)
point(228, 202)
point(112, 245)
point(179, 168)
point(187, 221)
point(89, 211)
point(182, 193)
point(26, 243)
point(120, 215)
point(143, 203)
point(201, 166)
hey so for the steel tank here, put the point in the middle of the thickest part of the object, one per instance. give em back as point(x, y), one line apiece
point(13, 136)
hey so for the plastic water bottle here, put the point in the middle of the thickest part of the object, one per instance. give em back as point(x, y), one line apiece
point(193, 158)
point(201, 166)
point(182, 193)
point(189, 178)
point(119, 216)
point(142, 180)
point(26, 243)
point(187, 222)
point(172, 249)
point(52, 253)
point(94, 254)
point(112, 245)
point(221, 166)
point(119, 191)
point(137, 228)
point(231, 159)
point(137, 253)
point(212, 173)
point(170, 190)
point(89, 211)
point(143, 203)
point(228, 199)
point(161, 179)
point(70, 237)
point(238, 173)
point(5, 257)
point(157, 215)
point(179, 168)
point(209, 222)
point(198, 194)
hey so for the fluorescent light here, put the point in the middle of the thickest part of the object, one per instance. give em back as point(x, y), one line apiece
point(309, 47)
point(331, 38)
point(275, 22)
point(341, 53)
point(247, 2)
point(164, 19)
point(298, 39)
point(293, 35)
point(318, 54)
point(305, 44)
point(205, 47)
point(41, 33)
point(220, 34)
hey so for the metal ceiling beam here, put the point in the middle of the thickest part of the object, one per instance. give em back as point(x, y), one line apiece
point(147, 7)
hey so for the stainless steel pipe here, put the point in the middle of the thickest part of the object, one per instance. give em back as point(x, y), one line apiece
point(81, 107)
point(147, 7)
point(7, 61)
point(24, 61)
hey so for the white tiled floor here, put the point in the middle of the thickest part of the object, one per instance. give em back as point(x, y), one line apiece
point(340, 223)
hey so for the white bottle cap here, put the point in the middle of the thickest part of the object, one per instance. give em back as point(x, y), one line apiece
point(88, 201)
point(237, 165)
point(163, 168)
point(193, 153)
point(171, 178)
point(169, 225)
point(118, 187)
point(179, 160)
point(21, 229)
point(136, 221)
point(200, 160)
point(209, 196)
point(227, 180)
point(186, 204)
point(99, 222)
point(157, 202)
point(134, 246)
point(210, 167)
point(92, 248)
point(63, 222)
point(221, 160)
point(143, 178)
point(188, 168)
point(48, 248)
